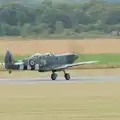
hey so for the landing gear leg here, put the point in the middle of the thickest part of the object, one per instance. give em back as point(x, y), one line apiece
point(66, 75)
point(53, 76)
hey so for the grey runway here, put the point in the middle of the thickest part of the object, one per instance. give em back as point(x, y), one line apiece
point(60, 80)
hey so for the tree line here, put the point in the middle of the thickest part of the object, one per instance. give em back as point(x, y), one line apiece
point(52, 19)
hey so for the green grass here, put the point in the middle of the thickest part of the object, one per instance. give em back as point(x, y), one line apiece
point(103, 58)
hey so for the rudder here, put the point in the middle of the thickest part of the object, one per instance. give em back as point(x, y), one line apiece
point(8, 59)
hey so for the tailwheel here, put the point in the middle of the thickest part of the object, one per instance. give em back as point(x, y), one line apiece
point(10, 71)
point(54, 76)
point(67, 76)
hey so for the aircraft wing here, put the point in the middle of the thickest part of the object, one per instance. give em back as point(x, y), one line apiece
point(74, 64)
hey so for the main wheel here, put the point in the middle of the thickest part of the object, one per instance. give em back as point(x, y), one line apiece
point(67, 76)
point(53, 76)
point(32, 63)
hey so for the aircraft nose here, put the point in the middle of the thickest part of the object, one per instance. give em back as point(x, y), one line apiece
point(76, 56)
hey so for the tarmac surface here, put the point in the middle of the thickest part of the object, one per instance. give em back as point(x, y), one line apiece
point(60, 80)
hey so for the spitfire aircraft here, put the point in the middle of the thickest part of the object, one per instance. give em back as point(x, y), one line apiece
point(44, 62)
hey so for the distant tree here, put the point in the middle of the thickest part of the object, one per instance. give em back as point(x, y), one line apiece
point(112, 17)
point(15, 13)
point(69, 18)
point(59, 27)
point(26, 30)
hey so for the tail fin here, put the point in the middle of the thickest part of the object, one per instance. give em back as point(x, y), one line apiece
point(8, 59)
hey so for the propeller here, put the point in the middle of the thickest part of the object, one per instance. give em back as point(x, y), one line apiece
point(77, 48)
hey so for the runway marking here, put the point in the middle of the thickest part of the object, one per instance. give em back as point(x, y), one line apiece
point(60, 80)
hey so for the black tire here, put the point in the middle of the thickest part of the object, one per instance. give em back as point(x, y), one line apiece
point(53, 76)
point(10, 71)
point(32, 63)
point(67, 76)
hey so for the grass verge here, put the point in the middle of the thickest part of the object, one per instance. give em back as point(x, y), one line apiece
point(60, 101)
point(102, 58)
point(83, 72)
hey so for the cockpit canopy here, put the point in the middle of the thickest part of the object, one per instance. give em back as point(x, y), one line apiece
point(39, 55)
point(49, 54)
point(36, 55)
